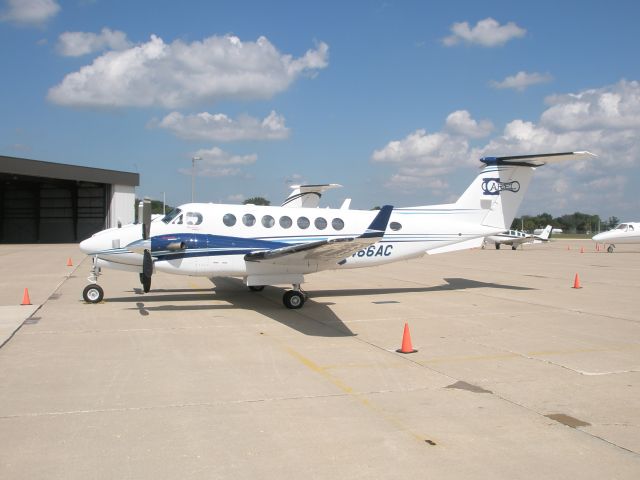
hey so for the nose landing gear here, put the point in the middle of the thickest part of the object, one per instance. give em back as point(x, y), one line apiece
point(93, 293)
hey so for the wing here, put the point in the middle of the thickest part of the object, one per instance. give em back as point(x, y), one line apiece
point(325, 251)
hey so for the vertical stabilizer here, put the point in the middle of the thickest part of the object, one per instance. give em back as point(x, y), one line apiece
point(498, 189)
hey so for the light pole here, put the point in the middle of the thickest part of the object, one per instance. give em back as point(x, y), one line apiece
point(193, 175)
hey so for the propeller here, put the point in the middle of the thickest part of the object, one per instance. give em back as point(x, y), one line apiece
point(144, 214)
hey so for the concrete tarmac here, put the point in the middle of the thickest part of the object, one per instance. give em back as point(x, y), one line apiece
point(517, 374)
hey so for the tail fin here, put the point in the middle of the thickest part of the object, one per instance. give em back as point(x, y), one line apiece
point(546, 233)
point(502, 183)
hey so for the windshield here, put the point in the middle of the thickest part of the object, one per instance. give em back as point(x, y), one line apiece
point(171, 215)
point(622, 226)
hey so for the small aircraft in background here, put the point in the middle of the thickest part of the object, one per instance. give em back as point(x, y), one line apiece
point(628, 232)
point(515, 238)
point(276, 245)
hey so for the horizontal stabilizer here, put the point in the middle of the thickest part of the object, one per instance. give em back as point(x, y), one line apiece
point(536, 160)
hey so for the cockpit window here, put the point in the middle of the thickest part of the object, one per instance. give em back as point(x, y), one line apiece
point(193, 218)
point(622, 226)
point(171, 215)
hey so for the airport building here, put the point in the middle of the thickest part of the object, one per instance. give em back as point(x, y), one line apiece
point(45, 202)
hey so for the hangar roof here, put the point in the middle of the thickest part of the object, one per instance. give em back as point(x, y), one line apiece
point(37, 168)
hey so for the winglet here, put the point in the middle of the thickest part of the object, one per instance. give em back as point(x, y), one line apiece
point(379, 223)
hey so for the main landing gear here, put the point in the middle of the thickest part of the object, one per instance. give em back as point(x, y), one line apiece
point(295, 298)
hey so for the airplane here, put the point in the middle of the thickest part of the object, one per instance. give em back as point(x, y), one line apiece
point(515, 238)
point(275, 245)
point(628, 232)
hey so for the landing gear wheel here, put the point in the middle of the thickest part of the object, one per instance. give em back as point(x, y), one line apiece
point(514, 247)
point(497, 246)
point(293, 299)
point(256, 288)
point(610, 249)
point(93, 293)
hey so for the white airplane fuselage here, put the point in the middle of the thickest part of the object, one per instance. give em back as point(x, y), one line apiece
point(628, 232)
point(227, 245)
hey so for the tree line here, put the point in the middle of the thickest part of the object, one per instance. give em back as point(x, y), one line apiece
point(577, 222)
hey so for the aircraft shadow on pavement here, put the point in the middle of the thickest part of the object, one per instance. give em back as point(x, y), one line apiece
point(452, 284)
point(314, 319)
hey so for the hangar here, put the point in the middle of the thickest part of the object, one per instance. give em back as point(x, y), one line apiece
point(45, 202)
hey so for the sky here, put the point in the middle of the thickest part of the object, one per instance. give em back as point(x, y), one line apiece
point(394, 100)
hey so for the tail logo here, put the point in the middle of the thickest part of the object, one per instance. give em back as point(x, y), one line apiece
point(493, 186)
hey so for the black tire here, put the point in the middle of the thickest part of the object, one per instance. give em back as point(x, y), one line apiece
point(293, 299)
point(256, 288)
point(514, 247)
point(497, 246)
point(93, 293)
point(610, 249)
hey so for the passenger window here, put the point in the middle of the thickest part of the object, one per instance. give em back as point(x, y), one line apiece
point(303, 222)
point(320, 223)
point(268, 221)
point(229, 219)
point(337, 224)
point(395, 226)
point(248, 219)
point(286, 222)
point(193, 218)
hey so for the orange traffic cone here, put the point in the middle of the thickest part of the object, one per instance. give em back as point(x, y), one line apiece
point(69, 263)
point(25, 297)
point(576, 282)
point(406, 341)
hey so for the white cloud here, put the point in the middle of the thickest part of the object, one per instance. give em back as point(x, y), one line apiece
point(75, 44)
point(219, 127)
point(604, 120)
point(487, 33)
point(29, 12)
point(215, 162)
point(461, 123)
point(420, 156)
point(179, 74)
point(522, 80)
point(614, 107)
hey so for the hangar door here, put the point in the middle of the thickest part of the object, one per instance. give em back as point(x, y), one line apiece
point(43, 210)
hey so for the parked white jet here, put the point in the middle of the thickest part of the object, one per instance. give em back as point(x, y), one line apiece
point(628, 232)
point(515, 238)
point(268, 245)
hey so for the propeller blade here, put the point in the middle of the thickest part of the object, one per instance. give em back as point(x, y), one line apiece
point(147, 271)
point(144, 217)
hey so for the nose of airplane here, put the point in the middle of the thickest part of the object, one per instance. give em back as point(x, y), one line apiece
point(599, 237)
point(89, 245)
